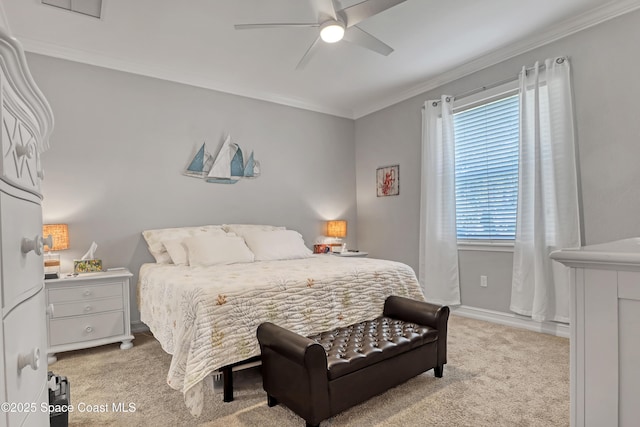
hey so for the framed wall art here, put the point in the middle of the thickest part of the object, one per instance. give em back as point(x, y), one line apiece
point(388, 180)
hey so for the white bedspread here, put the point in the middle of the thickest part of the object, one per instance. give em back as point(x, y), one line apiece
point(207, 317)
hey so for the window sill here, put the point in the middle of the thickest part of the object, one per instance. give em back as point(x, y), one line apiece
point(486, 246)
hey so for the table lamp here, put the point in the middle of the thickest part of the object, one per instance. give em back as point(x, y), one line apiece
point(60, 235)
point(337, 229)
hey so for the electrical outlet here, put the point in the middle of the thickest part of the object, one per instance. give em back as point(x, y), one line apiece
point(483, 281)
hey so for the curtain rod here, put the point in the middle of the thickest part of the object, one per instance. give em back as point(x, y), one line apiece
point(542, 66)
point(483, 88)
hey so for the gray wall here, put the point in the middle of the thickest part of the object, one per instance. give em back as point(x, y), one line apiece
point(605, 63)
point(121, 142)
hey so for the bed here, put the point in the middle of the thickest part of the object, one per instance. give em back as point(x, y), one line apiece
point(206, 316)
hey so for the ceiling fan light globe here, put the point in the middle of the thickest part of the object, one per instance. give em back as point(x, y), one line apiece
point(332, 31)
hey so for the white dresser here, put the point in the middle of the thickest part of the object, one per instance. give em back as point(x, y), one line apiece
point(26, 121)
point(605, 333)
point(88, 310)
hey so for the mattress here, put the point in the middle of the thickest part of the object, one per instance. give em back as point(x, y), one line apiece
point(206, 317)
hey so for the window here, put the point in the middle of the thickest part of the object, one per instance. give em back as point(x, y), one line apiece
point(486, 139)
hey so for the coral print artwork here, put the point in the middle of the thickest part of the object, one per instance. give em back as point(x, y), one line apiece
point(388, 181)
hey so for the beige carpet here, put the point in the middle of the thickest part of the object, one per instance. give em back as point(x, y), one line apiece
point(495, 376)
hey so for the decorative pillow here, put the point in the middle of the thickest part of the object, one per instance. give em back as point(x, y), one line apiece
point(241, 229)
point(177, 251)
point(208, 250)
point(276, 244)
point(154, 238)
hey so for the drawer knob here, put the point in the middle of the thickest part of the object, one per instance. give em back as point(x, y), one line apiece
point(50, 310)
point(88, 309)
point(41, 174)
point(31, 359)
point(48, 241)
point(27, 150)
point(87, 293)
point(88, 329)
point(36, 245)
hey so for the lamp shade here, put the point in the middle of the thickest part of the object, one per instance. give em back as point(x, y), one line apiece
point(337, 228)
point(60, 234)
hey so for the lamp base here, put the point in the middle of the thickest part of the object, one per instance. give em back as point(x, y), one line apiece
point(51, 265)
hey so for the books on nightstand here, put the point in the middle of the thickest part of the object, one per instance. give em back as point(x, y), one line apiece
point(351, 253)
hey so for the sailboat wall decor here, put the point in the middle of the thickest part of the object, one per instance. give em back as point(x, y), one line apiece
point(227, 167)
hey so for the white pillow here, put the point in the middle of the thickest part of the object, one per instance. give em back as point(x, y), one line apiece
point(276, 245)
point(154, 238)
point(177, 251)
point(216, 250)
point(242, 229)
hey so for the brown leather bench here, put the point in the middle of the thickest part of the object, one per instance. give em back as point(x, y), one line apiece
point(324, 374)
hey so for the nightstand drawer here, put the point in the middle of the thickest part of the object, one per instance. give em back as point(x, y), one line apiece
point(85, 328)
point(80, 293)
point(77, 308)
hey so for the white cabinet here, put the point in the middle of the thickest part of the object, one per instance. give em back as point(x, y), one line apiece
point(605, 320)
point(88, 310)
point(25, 124)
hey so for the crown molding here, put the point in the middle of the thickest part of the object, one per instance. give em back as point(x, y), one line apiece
point(563, 29)
point(173, 75)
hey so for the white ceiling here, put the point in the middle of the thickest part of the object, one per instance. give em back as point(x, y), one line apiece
point(194, 42)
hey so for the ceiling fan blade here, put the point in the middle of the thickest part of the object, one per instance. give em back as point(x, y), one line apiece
point(309, 54)
point(274, 25)
point(324, 9)
point(361, 11)
point(357, 35)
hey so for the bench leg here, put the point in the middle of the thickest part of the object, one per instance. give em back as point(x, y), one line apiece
point(437, 371)
point(271, 401)
point(227, 374)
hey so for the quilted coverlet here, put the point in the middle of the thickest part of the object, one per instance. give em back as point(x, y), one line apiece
point(206, 317)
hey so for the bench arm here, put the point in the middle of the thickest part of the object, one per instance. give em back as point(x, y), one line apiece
point(298, 349)
point(422, 313)
point(294, 370)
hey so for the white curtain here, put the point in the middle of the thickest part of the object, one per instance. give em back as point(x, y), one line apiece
point(438, 272)
point(548, 217)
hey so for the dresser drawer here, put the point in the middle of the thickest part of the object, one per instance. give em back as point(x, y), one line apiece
point(20, 158)
point(77, 308)
point(21, 272)
point(85, 328)
point(84, 293)
point(24, 333)
point(35, 416)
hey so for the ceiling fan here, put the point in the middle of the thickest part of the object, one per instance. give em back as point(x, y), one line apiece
point(338, 24)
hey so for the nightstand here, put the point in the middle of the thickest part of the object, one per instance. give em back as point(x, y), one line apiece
point(88, 310)
point(358, 254)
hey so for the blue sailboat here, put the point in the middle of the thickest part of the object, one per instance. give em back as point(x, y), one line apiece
point(201, 163)
point(228, 166)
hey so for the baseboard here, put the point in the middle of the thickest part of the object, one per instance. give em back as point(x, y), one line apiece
point(512, 319)
point(137, 327)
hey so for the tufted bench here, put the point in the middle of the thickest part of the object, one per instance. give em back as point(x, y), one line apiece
point(324, 374)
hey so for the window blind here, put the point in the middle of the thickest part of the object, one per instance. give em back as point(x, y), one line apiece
point(486, 139)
